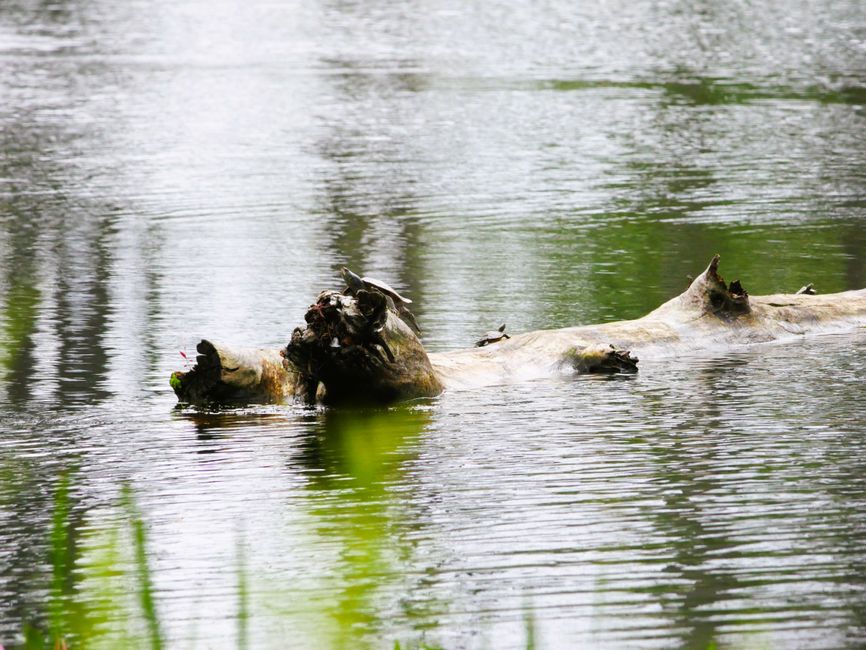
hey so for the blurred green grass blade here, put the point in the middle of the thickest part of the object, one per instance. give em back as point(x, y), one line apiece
point(145, 583)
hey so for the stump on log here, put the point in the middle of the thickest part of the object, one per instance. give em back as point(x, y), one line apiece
point(357, 348)
point(360, 350)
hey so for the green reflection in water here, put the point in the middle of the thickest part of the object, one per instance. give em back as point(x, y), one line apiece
point(19, 317)
point(353, 460)
point(145, 583)
point(243, 594)
point(631, 265)
point(716, 91)
point(62, 558)
point(365, 447)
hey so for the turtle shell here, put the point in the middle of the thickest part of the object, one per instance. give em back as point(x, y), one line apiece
point(385, 288)
point(491, 337)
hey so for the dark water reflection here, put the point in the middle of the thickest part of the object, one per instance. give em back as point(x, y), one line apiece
point(172, 170)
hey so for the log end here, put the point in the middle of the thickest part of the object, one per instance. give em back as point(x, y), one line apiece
point(229, 376)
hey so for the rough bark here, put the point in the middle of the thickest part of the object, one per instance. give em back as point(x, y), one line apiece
point(358, 349)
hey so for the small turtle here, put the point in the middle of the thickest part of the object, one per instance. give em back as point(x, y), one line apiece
point(396, 302)
point(492, 337)
point(808, 290)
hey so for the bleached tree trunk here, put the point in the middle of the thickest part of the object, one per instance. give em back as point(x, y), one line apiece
point(354, 350)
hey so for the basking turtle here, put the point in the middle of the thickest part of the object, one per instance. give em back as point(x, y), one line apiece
point(808, 290)
point(396, 302)
point(492, 336)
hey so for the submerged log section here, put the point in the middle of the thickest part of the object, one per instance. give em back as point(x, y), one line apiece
point(358, 349)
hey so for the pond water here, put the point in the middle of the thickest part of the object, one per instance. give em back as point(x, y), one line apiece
point(172, 170)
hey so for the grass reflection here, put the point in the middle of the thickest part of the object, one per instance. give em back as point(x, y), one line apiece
point(145, 583)
point(102, 592)
point(365, 447)
point(352, 458)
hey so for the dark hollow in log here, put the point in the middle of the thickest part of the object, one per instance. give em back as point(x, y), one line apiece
point(357, 348)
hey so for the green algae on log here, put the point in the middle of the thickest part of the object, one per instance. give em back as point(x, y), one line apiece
point(356, 349)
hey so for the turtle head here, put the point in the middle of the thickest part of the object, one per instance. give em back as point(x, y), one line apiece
point(352, 279)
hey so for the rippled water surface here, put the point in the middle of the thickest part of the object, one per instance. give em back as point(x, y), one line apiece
point(177, 169)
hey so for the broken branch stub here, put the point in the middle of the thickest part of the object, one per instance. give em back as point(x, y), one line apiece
point(709, 293)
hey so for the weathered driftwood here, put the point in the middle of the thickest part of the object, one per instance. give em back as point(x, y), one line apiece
point(709, 315)
point(360, 350)
point(232, 375)
point(357, 349)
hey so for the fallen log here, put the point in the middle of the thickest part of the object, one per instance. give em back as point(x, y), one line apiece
point(358, 349)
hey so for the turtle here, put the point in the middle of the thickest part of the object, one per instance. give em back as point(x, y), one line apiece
point(492, 336)
point(808, 290)
point(396, 302)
